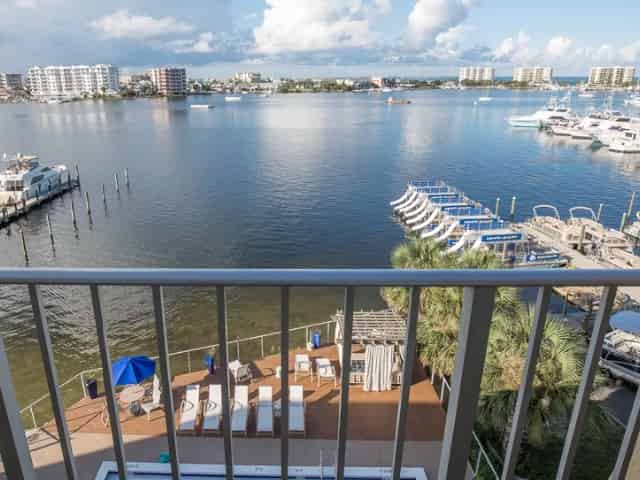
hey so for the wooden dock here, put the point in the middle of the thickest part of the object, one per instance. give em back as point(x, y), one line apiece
point(11, 213)
point(585, 298)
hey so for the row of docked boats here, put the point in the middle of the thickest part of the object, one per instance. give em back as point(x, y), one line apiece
point(437, 211)
point(583, 231)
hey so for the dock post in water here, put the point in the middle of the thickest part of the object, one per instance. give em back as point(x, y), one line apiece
point(24, 246)
point(632, 201)
point(512, 213)
point(88, 203)
point(77, 174)
point(623, 223)
point(126, 177)
point(73, 214)
point(599, 211)
point(115, 176)
point(104, 195)
point(50, 230)
point(68, 179)
point(497, 212)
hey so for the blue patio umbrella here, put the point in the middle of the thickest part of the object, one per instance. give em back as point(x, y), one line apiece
point(132, 370)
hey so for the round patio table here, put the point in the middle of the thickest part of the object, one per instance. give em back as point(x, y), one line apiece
point(132, 394)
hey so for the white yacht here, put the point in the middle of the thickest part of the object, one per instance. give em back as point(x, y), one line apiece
point(201, 106)
point(633, 101)
point(544, 117)
point(626, 142)
point(24, 178)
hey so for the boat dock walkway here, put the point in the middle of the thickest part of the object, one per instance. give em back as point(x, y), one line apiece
point(11, 213)
point(582, 297)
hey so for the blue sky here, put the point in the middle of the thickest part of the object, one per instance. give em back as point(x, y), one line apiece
point(321, 37)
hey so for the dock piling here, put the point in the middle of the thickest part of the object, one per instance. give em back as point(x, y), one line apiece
point(23, 243)
point(68, 179)
point(600, 207)
point(104, 195)
point(512, 213)
point(497, 212)
point(50, 230)
point(88, 203)
point(126, 177)
point(73, 214)
point(77, 174)
point(115, 176)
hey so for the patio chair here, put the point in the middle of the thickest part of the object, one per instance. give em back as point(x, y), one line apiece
point(189, 409)
point(264, 411)
point(302, 366)
point(297, 416)
point(212, 410)
point(241, 372)
point(156, 399)
point(240, 412)
point(324, 369)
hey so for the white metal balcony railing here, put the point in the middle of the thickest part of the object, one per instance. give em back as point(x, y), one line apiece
point(478, 302)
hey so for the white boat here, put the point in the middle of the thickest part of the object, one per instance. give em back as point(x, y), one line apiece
point(484, 99)
point(529, 121)
point(586, 95)
point(24, 178)
point(201, 106)
point(633, 101)
point(232, 98)
point(626, 142)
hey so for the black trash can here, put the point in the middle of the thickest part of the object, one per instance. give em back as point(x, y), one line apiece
point(91, 386)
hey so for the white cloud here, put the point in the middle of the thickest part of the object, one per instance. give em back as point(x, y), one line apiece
point(516, 50)
point(430, 18)
point(631, 53)
point(200, 45)
point(300, 26)
point(558, 46)
point(383, 6)
point(26, 3)
point(447, 44)
point(121, 24)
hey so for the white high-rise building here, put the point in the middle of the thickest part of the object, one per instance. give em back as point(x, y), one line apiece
point(11, 81)
point(477, 74)
point(70, 81)
point(611, 76)
point(248, 77)
point(533, 75)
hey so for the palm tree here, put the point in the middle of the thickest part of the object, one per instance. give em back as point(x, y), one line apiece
point(440, 308)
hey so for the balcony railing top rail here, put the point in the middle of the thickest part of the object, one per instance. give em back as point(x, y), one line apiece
point(475, 322)
point(320, 277)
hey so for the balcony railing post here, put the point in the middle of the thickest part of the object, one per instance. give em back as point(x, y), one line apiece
point(109, 390)
point(343, 418)
point(221, 303)
point(628, 442)
point(407, 377)
point(526, 385)
point(14, 450)
point(57, 404)
point(189, 362)
point(306, 337)
point(473, 337)
point(238, 348)
point(165, 377)
point(261, 347)
point(284, 382)
point(581, 404)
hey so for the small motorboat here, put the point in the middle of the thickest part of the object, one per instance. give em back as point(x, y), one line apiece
point(398, 101)
point(233, 98)
point(202, 106)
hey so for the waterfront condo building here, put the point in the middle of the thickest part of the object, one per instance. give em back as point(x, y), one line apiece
point(533, 75)
point(11, 81)
point(68, 81)
point(611, 76)
point(477, 74)
point(169, 81)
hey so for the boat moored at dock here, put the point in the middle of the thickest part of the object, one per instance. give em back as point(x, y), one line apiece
point(25, 178)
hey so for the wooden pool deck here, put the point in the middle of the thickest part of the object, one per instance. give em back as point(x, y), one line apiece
point(372, 415)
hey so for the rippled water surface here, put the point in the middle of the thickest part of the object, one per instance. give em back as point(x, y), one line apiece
point(286, 181)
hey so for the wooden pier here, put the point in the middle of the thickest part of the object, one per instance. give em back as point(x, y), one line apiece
point(11, 213)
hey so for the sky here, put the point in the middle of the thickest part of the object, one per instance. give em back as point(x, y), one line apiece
point(418, 38)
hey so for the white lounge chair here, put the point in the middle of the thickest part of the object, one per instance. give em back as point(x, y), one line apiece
point(212, 410)
point(302, 366)
point(264, 411)
point(297, 410)
point(189, 409)
point(240, 372)
point(240, 412)
point(156, 399)
point(324, 369)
